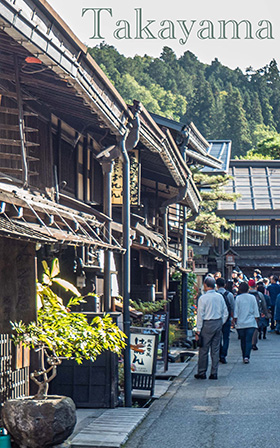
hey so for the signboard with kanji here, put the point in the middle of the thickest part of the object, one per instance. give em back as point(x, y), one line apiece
point(143, 351)
point(117, 179)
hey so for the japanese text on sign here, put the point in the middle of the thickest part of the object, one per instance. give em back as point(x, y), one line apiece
point(142, 353)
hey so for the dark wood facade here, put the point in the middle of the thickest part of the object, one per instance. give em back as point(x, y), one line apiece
point(57, 112)
point(256, 216)
point(60, 118)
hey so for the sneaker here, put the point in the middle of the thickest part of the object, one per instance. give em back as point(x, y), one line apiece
point(254, 347)
point(246, 360)
point(223, 360)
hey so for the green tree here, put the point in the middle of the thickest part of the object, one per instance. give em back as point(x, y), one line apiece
point(265, 144)
point(212, 191)
point(270, 146)
point(236, 126)
point(201, 110)
point(256, 110)
point(61, 333)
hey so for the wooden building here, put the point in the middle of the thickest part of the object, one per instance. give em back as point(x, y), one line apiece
point(58, 111)
point(256, 215)
point(63, 127)
point(254, 241)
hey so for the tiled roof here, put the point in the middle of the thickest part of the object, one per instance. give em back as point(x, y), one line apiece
point(221, 150)
point(257, 181)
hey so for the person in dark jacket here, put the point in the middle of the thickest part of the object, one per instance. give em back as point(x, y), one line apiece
point(264, 321)
point(277, 314)
point(262, 309)
point(229, 300)
point(274, 290)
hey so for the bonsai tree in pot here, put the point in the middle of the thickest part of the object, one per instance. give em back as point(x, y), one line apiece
point(58, 333)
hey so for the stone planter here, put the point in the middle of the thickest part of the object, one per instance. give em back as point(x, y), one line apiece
point(39, 423)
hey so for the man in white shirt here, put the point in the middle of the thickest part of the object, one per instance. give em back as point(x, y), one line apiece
point(212, 313)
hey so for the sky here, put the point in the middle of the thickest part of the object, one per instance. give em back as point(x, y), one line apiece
point(198, 17)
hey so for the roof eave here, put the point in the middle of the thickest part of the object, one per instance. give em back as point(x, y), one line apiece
point(39, 31)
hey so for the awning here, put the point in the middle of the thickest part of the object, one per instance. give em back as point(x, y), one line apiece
point(64, 237)
point(154, 242)
point(13, 230)
point(40, 219)
point(77, 83)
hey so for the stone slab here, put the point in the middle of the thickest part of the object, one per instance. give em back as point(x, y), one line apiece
point(111, 429)
point(174, 370)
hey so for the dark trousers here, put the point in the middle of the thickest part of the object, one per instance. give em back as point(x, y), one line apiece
point(246, 335)
point(272, 323)
point(225, 339)
point(211, 338)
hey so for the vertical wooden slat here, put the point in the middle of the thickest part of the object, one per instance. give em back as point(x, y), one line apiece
point(13, 383)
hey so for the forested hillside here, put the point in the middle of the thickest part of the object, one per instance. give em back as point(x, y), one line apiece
point(223, 103)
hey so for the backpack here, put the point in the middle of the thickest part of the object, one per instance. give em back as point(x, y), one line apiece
point(225, 296)
point(259, 301)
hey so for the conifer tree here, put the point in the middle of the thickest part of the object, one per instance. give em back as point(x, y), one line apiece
point(235, 124)
point(256, 110)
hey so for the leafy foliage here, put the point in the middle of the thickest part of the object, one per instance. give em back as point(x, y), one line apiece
point(212, 191)
point(223, 103)
point(267, 145)
point(175, 334)
point(61, 333)
point(148, 307)
point(192, 295)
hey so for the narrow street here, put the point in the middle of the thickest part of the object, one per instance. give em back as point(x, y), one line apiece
point(241, 409)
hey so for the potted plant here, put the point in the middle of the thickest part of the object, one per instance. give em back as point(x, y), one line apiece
point(59, 333)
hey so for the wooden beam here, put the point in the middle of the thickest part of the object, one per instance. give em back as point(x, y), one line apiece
point(11, 156)
point(5, 169)
point(13, 111)
point(15, 127)
point(12, 142)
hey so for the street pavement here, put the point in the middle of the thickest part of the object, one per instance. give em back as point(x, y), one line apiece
point(239, 410)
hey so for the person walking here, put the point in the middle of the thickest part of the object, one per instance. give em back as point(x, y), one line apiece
point(257, 275)
point(217, 275)
point(274, 290)
point(263, 312)
point(277, 314)
point(212, 313)
point(264, 320)
point(229, 301)
point(246, 313)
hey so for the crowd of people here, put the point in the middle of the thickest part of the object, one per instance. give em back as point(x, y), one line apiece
point(251, 305)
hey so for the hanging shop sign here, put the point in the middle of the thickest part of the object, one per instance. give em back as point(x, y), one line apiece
point(143, 352)
point(135, 179)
